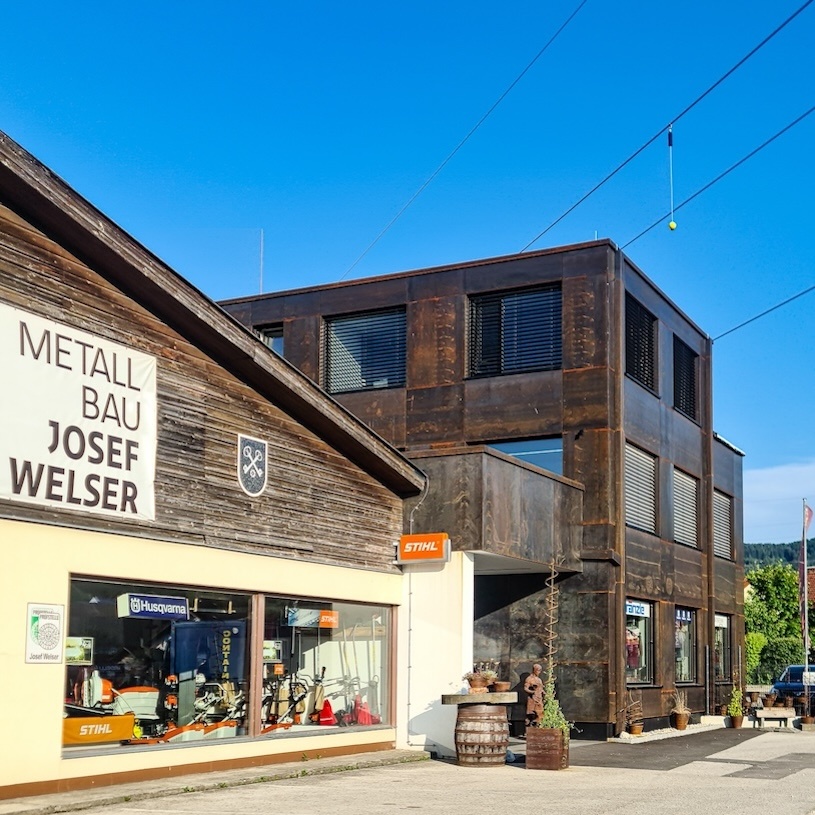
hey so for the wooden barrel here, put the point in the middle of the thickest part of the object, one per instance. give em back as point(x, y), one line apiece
point(482, 735)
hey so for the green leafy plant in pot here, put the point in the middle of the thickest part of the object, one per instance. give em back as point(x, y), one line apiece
point(735, 707)
point(547, 739)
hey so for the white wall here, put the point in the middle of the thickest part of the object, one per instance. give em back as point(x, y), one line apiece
point(38, 561)
point(435, 648)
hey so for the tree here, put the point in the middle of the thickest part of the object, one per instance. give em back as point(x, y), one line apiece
point(771, 609)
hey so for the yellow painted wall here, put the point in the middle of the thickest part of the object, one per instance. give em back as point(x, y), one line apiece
point(38, 562)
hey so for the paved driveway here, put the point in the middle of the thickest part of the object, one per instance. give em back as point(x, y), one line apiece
point(722, 771)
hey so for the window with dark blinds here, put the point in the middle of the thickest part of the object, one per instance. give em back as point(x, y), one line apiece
point(685, 376)
point(722, 525)
point(640, 489)
point(686, 509)
point(514, 332)
point(640, 343)
point(365, 351)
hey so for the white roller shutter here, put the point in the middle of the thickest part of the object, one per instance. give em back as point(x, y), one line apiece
point(640, 489)
point(686, 509)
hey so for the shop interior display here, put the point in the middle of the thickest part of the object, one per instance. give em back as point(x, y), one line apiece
point(179, 672)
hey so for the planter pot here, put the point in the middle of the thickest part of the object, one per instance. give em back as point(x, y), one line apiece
point(754, 696)
point(500, 687)
point(736, 721)
point(807, 719)
point(680, 720)
point(769, 700)
point(635, 729)
point(477, 685)
point(546, 749)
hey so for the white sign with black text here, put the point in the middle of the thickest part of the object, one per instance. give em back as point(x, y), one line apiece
point(77, 419)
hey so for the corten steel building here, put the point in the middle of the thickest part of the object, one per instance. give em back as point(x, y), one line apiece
point(561, 406)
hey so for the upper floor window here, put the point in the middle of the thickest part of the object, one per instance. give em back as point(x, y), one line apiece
point(685, 380)
point(272, 335)
point(516, 331)
point(365, 351)
point(640, 489)
point(640, 343)
point(686, 508)
point(722, 525)
point(545, 453)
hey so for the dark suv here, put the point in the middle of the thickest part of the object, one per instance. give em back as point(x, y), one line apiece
point(791, 681)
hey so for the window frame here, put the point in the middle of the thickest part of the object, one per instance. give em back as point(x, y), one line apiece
point(635, 480)
point(722, 517)
point(684, 505)
point(639, 651)
point(641, 344)
point(723, 665)
point(269, 334)
point(365, 351)
point(531, 456)
point(686, 379)
point(515, 331)
point(685, 623)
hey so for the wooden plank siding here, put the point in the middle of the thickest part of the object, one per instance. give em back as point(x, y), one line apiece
point(318, 505)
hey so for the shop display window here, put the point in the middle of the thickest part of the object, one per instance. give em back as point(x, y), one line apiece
point(639, 642)
point(155, 665)
point(721, 647)
point(324, 664)
point(685, 645)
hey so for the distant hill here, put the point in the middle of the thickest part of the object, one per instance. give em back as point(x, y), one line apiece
point(762, 554)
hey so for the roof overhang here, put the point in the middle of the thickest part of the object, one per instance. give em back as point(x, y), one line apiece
point(43, 199)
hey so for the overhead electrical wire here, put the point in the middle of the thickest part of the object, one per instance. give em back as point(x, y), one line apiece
point(675, 119)
point(461, 144)
point(765, 312)
point(723, 174)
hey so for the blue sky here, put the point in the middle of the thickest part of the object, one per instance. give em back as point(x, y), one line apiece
point(197, 125)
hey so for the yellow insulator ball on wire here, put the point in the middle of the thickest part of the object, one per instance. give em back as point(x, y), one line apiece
point(672, 225)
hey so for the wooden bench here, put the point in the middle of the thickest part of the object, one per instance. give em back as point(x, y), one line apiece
point(782, 714)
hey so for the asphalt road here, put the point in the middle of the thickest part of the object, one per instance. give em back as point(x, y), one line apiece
point(726, 771)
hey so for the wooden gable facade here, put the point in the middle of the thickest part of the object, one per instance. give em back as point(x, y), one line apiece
point(80, 300)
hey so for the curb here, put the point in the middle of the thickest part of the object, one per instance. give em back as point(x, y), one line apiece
point(182, 785)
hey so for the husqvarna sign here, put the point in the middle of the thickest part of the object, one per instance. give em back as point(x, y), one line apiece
point(152, 606)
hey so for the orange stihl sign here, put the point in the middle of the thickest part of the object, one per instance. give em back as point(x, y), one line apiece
point(427, 548)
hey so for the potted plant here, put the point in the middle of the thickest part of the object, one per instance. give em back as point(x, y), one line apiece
point(634, 719)
point(680, 710)
point(547, 739)
point(735, 707)
point(479, 679)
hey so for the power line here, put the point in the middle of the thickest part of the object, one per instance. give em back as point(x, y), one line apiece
point(673, 121)
point(464, 140)
point(726, 172)
point(765, 313)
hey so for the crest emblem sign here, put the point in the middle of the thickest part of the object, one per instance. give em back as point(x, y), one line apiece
point(252, 464)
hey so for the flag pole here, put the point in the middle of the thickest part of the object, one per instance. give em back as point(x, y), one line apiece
point(805, 593)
